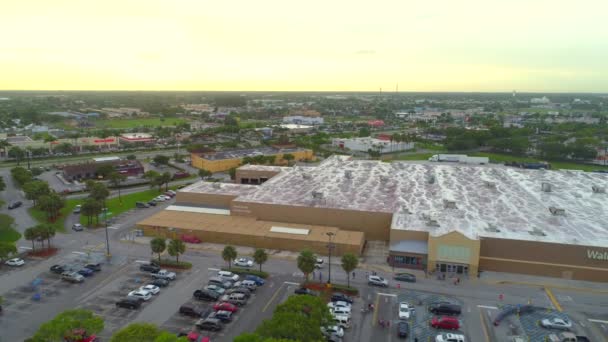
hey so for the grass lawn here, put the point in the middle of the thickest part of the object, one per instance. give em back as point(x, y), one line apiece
point(59, 224)
point(134, 123)
point(430, 146)
point(7, 232)
point(501, 158)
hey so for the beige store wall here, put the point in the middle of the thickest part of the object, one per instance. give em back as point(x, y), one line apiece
point(454, 248)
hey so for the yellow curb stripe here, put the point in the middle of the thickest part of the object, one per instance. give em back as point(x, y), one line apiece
point(483, 326)
point(553, 299)
point(376, 309)
point(272, 298)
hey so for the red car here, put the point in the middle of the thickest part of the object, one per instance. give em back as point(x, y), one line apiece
point(191, 239)
point(225, 306)
point(193, 336)
point(445, 322)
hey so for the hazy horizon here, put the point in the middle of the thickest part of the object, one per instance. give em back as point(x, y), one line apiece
point(340, 46)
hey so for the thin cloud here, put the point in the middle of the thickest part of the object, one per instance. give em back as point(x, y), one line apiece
point(365, 52)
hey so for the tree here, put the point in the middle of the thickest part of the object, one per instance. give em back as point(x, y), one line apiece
point(165, 178)
point(144, 332)
point(116, 180)
point(7, 249)
point(306, 262)
point(51, 204)
point(260, 257)
point(48, 231)
point(158, 245)
point(16, 153)
point(155, 179)
point(229, 254)
point(90, 208)
point(69, 325)
point(232, 172)
point(204, 174)
point(289, 157)
point(34, 189)
point(99, 192)
point(175, 248)
point(161, 160)
point(131, 157)
point(21, 175)
point(31, 234)
point(349, 264)
point(298, 318)
point(105, 170)
point(2, 184)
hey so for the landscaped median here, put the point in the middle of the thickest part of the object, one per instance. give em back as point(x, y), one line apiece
point(241, 270)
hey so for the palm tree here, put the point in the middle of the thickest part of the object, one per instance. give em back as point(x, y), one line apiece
point(165, 178)
point(31, 234)
point(306, 262)
point(49, 138)
point(229, 254)
point(158, 246)
point(260, 256)
point(3, 145)
point(116, 180)
point(349, 263)
point(175, 248)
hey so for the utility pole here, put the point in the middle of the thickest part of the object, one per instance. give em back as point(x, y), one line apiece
point(330, 246)
point(105, 216)
point(29, 158)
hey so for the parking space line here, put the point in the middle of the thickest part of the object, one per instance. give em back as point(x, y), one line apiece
point(290, 283)
point(387, 294)
point(597, 321)
point(79, 253)
point(376, 309)
point(483, 326)
point(214, 269)
point(487, 307)
point(276, 293)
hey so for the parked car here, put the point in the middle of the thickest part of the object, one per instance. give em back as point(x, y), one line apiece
point(181, 174)
point(72, 277)
point(212, 324)
point(239, 289)
point(319, 263)
point(93, 267)
point(141, 205)
point(407, 277)
point(377, 281)
point(143, 294)
point(129, 303)
point(449, 338)
point(215, 288)
point(164, 274)
point(190, 239)
point(77, 227)
point(159, 198)
point(335, 330)
point(206, 295)
point(402, 329)
point(338, 304)
point(85, 272)
point(243, 262)
point(556, 323)
point(235, 298)
point(445, 322)
point(170, 194)
point(15, 205)
point(342, 320)
point(444, 308)
point(304, 291)
point(149, 268)
point(160, 282)
point(194, 311)
point(250, 284)
point(77, 209)
point(258, 280)
point(226, 275)
point(406, 310)
point(15, 262)
point(220, 282)
point(341, 297)
point(153, 289)
point(222, 315)
point(57, 269)
point(152, 203)
point(225, 306)
point(341, 311)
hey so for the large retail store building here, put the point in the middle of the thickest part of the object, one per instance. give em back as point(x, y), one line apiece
point(449, 218)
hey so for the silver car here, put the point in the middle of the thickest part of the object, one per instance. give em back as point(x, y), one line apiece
point(556, 323)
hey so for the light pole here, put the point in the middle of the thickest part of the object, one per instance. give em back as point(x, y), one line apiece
point(330, 246)
point(105, 216)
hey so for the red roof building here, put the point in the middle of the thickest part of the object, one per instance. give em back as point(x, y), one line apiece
point(376, 123)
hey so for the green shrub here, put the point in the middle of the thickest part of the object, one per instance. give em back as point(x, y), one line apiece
point(240, 270)
point(184, 265)
point(345, 289)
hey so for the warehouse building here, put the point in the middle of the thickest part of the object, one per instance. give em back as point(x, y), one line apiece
point(447, 218)
point(225, 160)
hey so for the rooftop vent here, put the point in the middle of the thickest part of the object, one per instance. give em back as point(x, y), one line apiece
point(432, 223)
point(430, 178)
point(537, 232)
point(492, 229)
point(306, 176)
point(317, 195)
point(598, 189)
point(557, 211)
point(449, 204)
point(348, 174)
point(383, 179)
point(216, 185)
point(489, 184)
point(546, 187)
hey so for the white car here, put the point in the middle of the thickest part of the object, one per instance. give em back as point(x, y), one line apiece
point(406, 310)
point(556, 323)
point(243, 262)
point(143, 294)
point(153, 289)
point(319, 263)
point(333, 330)
point(166, 197)
point(159, 199)
point(15, 262)
point(341, 311)
point(218, 289)
point(449, 338)
point(377, 281)
point(228, 276)
point(338, 304)
point(164, 274)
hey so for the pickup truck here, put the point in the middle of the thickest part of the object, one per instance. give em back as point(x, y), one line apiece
point(567, 337)
point(163, 274)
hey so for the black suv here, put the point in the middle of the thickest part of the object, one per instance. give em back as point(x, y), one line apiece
point(149, 268)
point(141, 205)
point(57, 269)
point(94, 267)
point(304, 291)
point(129, 303)
point(194, 311)
point(341, 297)
point(15, 205)
point(207, 295)
point(445, 308)
point(402, 329)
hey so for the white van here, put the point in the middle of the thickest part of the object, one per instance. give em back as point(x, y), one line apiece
point(228, 276)
point(343, 321)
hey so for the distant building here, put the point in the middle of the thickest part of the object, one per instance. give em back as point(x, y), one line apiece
point(225, 160)
point(89, 170)
point(134, 139)
point(540, 100)
point(367, 143)
point(303, 120)
point(294, 128)
point(375, 123)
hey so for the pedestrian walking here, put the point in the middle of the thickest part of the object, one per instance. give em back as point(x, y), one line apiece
point(353, 274)
point(320, 277)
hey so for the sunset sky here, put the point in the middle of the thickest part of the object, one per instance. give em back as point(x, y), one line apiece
point(329, 45)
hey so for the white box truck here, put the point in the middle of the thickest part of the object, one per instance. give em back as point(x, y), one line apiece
point(459, 158)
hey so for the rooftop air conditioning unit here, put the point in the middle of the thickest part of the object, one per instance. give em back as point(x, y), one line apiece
point(449, 204)
point(317, 195)
point(537, 232)
point(489, 184)
point(306, 176)
point(383, 179)
point(348, 174)
point(546, 187)
point(598, 189)
point(216, 185)
point(432, 223)
point(557, 211)
point(492, 228)
point(430, 179)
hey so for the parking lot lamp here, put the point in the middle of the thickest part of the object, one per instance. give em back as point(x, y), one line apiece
point(330, 246)
point(105, 218)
